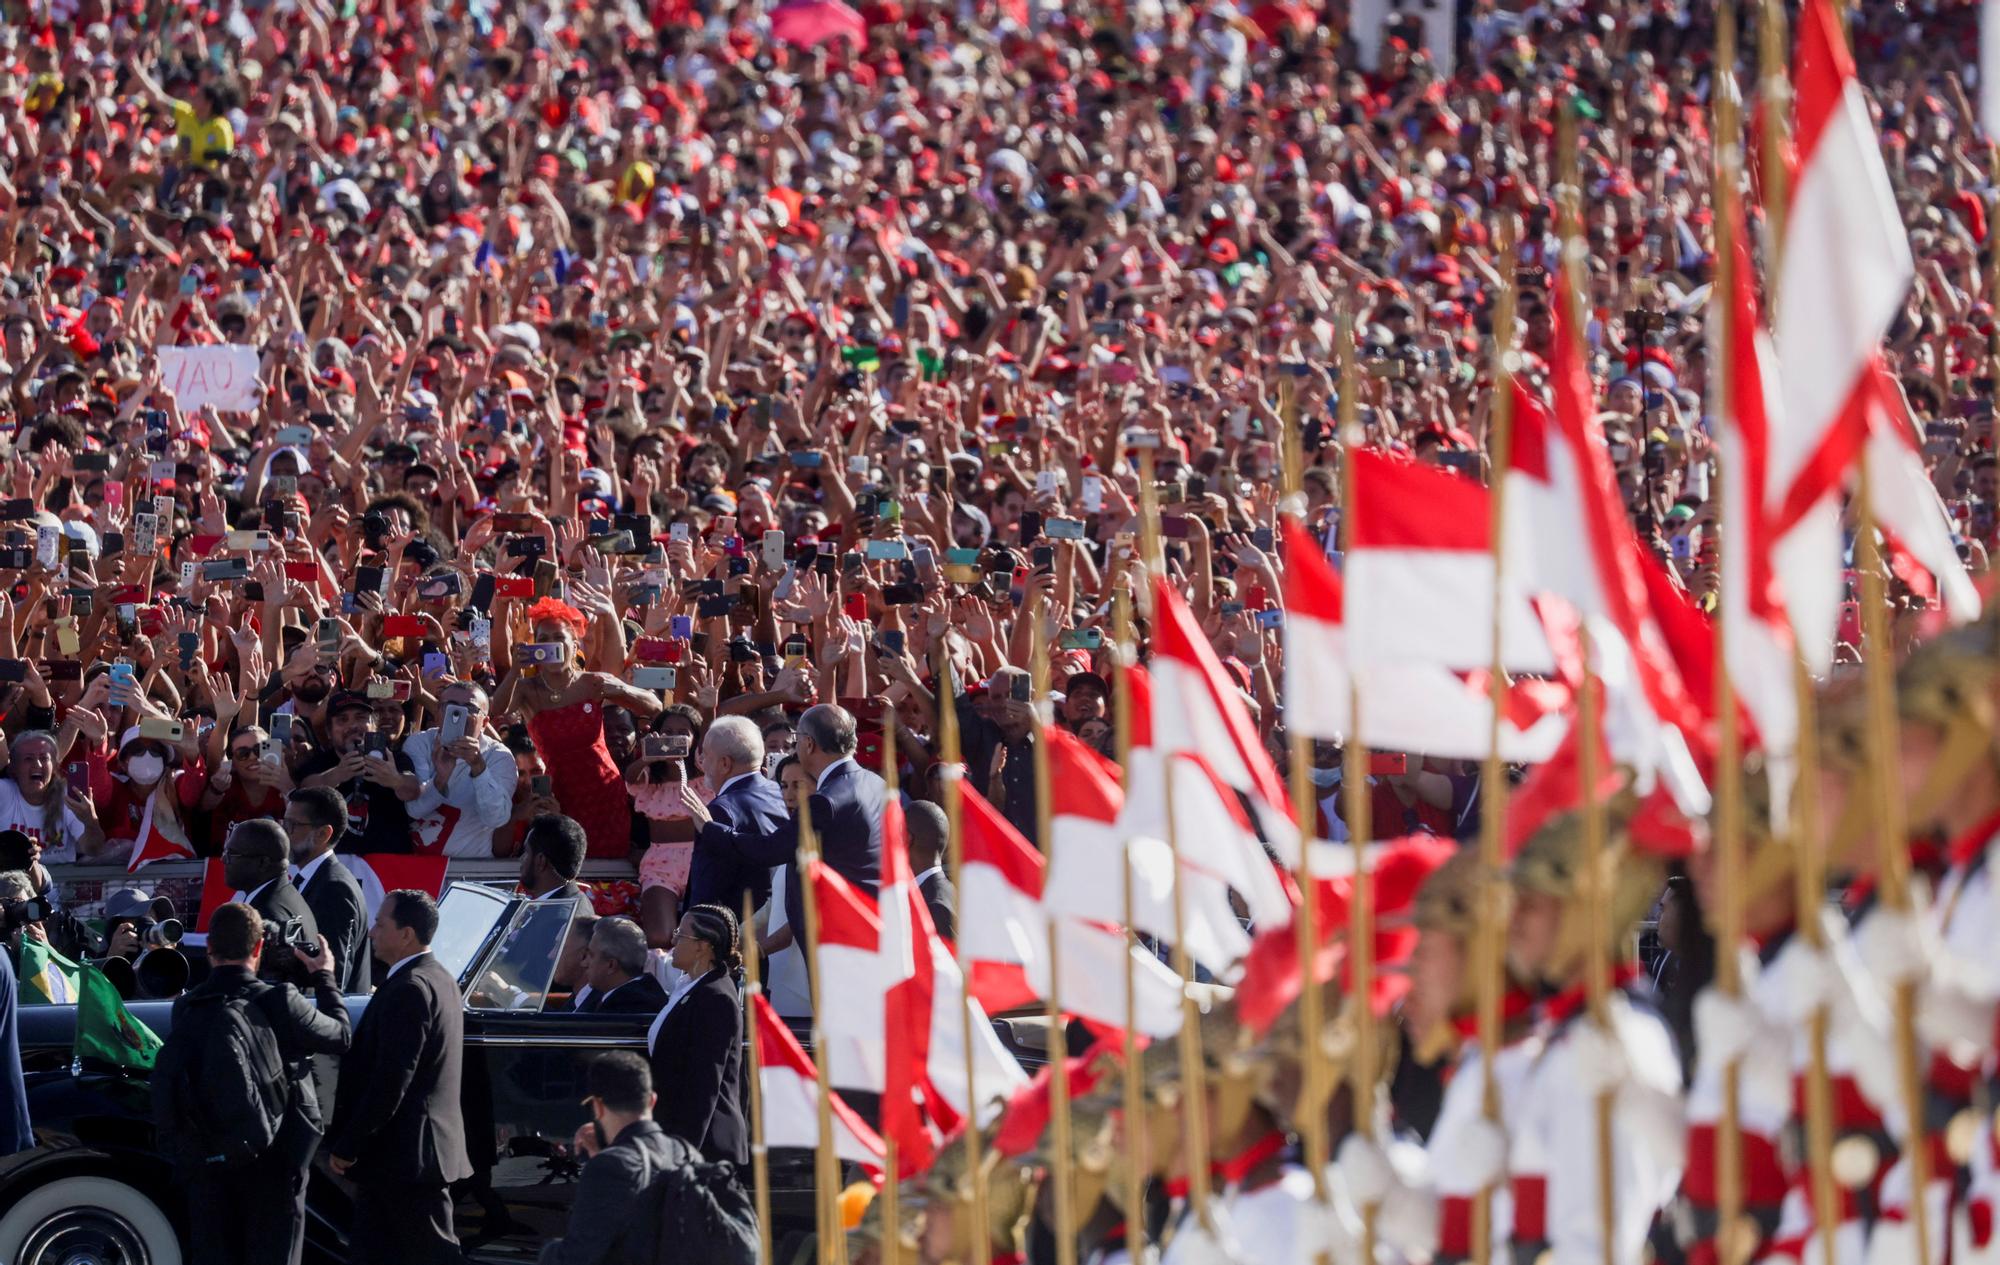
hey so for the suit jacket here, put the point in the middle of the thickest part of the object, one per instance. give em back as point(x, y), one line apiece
point(281, 902)
point(847, 816)
point(334, 896)
point(607, 1192)
point(941, 898)
point(722, 872)
point(697, 1058)
point(640, 995)
point(397, 1112)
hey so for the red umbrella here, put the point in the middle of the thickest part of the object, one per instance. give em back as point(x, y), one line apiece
point(1274, 17)
point(810, 22)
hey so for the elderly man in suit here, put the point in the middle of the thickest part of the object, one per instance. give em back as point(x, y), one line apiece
point(398, 1131)
point(746, 803)
point(620, 983)
point(847, 804)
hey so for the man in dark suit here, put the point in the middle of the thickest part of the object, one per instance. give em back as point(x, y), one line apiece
point(846, 813)
point(552, 856)
point(257, 862)
point(397, 1128)
point(620, 983)
point(315, 819)
point(746, 803)
point(624, 1150)
point(928, 829)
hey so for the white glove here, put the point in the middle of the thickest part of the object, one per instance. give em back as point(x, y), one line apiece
point(1725, 1027)
point(1363, 1167)
point(1806, 980)
point(1893, 946)
point(1481, 1153)
point(1598, 1059)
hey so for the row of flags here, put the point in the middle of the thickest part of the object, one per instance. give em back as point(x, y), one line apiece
point(1396, 649)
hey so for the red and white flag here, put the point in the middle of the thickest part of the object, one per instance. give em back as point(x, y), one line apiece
point(378, 873)
point(1086, 877)
point(853, 950)
point(1846, 270)
point(791, 1096)
point(1006, 947)
point(1419, 574)
point(1412, 707)
point(158, 840)
point(906, 1007)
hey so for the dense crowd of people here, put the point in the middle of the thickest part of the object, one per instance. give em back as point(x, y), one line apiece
point(496, 432)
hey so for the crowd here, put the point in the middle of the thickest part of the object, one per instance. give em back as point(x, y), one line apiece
point(562, 433)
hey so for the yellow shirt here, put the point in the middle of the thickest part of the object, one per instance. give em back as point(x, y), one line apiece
point(206, 143)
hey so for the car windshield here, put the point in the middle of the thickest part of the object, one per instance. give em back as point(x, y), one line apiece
point(518, 976)
point(466, 917)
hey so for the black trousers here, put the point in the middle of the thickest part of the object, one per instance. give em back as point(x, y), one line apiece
point(403, 1223)
point(254, 1213)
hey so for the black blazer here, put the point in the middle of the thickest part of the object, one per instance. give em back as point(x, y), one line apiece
point(334, 897)
point(640, 995)
point(847, 816)
point(697, 1058)
point(941, 898)
point(721, 872)
point(397, 1112)
point(281, 902)
point(607, 1192)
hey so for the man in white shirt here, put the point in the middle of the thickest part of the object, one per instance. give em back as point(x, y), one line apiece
point(468, 785)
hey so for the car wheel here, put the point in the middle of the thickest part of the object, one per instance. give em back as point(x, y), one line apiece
point(87, 1221)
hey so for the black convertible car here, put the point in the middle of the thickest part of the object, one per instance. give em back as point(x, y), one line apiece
point(95, 1192)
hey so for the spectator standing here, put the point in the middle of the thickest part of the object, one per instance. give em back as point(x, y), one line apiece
point(618, 974)
point(247, 1207)
point(669, 829)
point(696, 1042)
point(552, 857)
point(624, 1148)
point(156, 786)
point(257, 862)
point(564, 707)
point(34, 801)
point(377, 782)
point(999, 735)
point(251, 781)
point(316, 818)
point(746, 805)
point(398, 1132)
point(468, 785)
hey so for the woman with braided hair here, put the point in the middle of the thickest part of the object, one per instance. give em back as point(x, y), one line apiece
point(696, 1043)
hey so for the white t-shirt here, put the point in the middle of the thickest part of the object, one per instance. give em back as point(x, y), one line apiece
point(16, 813)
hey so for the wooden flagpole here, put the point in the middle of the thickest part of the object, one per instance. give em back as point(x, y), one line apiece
point(954, 813)
point(1732, 1245)
point(1312, 1126)
point(826, 1160)
point(1354, 785)
point(1809, 859)
point(1892, 836)
point(1134, 1098)
point(1194, 1081)
point(760, 1167)
point(1059, 1107)
point(892, 1193)
point(1489, 960)
point(1597, 968)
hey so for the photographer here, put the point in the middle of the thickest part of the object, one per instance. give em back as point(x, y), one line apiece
point(234, 1098)
point(377, 782)
point(15, 1132)
point(467, 770)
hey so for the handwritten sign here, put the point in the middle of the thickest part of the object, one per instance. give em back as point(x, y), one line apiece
point(225, 376)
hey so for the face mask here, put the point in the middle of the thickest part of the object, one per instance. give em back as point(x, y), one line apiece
point(145, 769)
point(1324, 778)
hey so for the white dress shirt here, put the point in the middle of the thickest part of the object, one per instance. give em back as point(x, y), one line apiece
point(461, 819)
point(828, 770)
point(405, 962)
point(303, 874)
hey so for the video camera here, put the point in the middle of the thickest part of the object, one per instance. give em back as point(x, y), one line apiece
point(17, 914)
point(288, 933)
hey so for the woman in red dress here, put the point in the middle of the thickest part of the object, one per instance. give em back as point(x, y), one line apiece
point(565, 706)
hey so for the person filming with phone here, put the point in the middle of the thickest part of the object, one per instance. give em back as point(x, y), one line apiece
point(378, 782)
point(468, 776)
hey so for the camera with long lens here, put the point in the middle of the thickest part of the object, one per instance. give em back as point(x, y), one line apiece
point(288, 933)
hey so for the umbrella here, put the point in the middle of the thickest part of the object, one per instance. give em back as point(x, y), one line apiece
point(810, 22)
